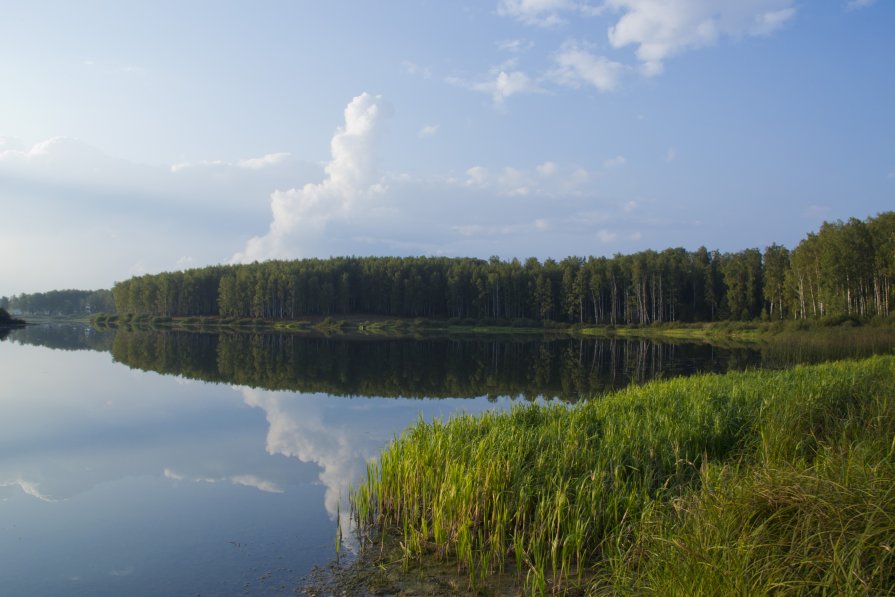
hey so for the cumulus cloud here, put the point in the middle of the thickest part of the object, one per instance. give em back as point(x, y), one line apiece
point(660, 30)
point(301, 215)
point(354, 210)
point(64, 193)
point(576, 65)
point(657, 30)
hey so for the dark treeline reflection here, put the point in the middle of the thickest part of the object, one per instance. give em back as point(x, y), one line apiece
point(438, 367)
point(61, 337)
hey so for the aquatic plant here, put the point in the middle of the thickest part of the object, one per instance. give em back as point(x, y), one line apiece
point(763, 481)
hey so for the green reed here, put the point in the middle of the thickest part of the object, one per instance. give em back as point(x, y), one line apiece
point(659, 487)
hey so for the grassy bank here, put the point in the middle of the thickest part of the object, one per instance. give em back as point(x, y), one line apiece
point(750, 483)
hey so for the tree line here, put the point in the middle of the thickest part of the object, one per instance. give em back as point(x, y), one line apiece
point(844, 269)
point(61, 302)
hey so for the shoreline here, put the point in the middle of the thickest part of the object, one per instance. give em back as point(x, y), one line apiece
point(365, 325)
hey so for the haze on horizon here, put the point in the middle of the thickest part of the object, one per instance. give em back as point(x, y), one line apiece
point(138, 138)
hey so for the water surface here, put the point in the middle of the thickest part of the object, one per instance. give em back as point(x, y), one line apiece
point(176, 463)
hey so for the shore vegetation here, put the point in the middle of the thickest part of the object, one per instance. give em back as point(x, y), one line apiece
point(746, 483)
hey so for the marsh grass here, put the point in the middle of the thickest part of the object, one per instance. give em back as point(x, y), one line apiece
point(769, 481)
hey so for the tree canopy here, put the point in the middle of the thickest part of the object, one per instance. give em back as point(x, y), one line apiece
point(61, 302)
point(846, 268)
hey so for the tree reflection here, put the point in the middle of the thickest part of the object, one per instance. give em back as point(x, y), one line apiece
point(567, 368)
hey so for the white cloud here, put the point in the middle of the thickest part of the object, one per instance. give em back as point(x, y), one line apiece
point(300, 216)
point(60, 158)
point(515, 46)
point(543, 13)
point(671, 154)
point(576, 65)
point(503, 85)
point(513, 182)
point(428, 131)
point(369, 214)
point(661, 30)
point(545, 180)
point(476, 176)
point(265, 161)
point(209, 209)
point(546, 169)
point(414, 69)
point(615, 162)
point(856, 4)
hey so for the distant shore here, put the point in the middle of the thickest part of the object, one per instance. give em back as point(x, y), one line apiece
point(8, 321)
point(746, 331)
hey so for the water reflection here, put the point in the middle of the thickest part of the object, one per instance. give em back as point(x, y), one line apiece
point(61, 336)
point(413, 368)
point(118, 481)
point(143, 479)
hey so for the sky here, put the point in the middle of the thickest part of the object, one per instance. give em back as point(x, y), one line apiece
point(145, 137)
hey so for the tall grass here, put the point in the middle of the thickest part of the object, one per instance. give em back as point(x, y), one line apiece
point(752, 482)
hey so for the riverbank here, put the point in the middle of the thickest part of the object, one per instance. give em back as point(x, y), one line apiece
point(715, 332)
point(744, 482)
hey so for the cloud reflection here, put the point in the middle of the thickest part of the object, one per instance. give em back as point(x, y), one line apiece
point(299, 428)
point(244, 480)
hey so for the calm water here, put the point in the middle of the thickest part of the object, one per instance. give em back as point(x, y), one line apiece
point(149, 463)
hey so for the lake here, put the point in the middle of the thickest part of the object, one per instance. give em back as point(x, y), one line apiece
point(194, 463)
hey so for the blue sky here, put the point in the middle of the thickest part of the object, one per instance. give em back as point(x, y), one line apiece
point(141, 137)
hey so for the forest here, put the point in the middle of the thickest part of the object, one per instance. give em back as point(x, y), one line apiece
point(60, 302)
point(845, 269)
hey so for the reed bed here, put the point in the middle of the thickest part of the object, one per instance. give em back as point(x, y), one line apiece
point(767, 481)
